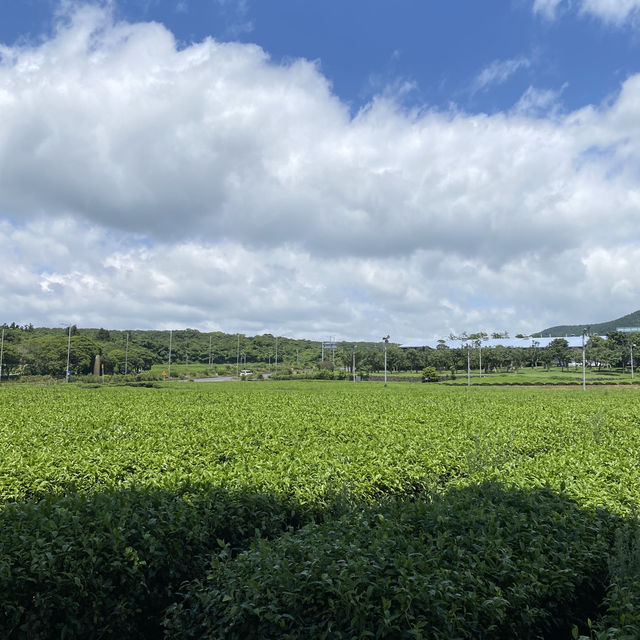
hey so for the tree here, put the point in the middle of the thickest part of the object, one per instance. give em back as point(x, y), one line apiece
point(430, 374)
point(396, 358)
point(11, 359)
point(102, 335)
point(441, 357)
point(414, 359)
point(560, 351)
point(600, 352)
point(534, 353)
point(546, 356)
point(618, 343)
point(48, 356)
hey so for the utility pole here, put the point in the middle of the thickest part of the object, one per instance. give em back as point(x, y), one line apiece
point(126, 356)
point(632, 345)
point(353, 366)
point(584, 362)
point(2, 354)
point(238, 358)
point(468, 365)
point(210, 361)
point(170, 339)
point(68, 354)
point(276, 356)
point(386, 342)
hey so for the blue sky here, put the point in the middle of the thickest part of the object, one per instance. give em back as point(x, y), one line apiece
point(413, 167)
point(363, 46)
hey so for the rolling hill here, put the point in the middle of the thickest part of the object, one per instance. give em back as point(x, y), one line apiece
point(600, 328)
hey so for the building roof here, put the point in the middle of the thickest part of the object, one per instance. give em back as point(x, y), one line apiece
point(573, 341)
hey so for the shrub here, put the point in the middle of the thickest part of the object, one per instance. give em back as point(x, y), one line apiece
point(107, 565)
point(471, 564)
point(430, 374)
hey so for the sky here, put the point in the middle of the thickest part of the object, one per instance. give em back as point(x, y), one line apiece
point(345, 168)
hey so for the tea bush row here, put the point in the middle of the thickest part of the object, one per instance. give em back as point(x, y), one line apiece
point(116, 503)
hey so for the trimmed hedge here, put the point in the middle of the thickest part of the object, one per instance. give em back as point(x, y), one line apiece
point(107, 565)
point(480, 562)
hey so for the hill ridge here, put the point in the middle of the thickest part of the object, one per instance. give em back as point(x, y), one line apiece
point(602, 328)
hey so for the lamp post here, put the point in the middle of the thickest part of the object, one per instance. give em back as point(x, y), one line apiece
point(170, 340)
point(632, 345)
point(584, 362)
point(276, 366)
point(126, 356)
point(386, 342)
point(238, 358)
point(468, 365)
point(2, 354)
point(68, 354)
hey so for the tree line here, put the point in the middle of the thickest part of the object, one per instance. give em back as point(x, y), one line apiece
point(28, 350)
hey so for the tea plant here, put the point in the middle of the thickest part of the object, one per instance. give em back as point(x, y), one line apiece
point(115, 501)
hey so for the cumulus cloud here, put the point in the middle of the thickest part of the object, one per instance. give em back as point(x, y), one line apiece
point(148, 184)
point(616, 12)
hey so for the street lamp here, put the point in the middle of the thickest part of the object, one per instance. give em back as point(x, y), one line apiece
point(386, 342)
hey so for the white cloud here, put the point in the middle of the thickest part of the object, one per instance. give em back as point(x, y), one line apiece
point(546, 8)
point(612, 11)
point(615, 12)
point(536, 102)
point(499, 71)
point(147, 185)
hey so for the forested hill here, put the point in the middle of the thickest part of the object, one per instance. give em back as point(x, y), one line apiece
point(599, 328)
point(41, 350)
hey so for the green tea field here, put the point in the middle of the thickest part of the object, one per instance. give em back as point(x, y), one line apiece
point(319, 510)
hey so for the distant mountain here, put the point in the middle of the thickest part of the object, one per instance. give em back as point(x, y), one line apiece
point(601, 328)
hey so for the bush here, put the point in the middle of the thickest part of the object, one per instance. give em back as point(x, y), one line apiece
point(466, 565)
point(107, 565)
point(430, 374)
